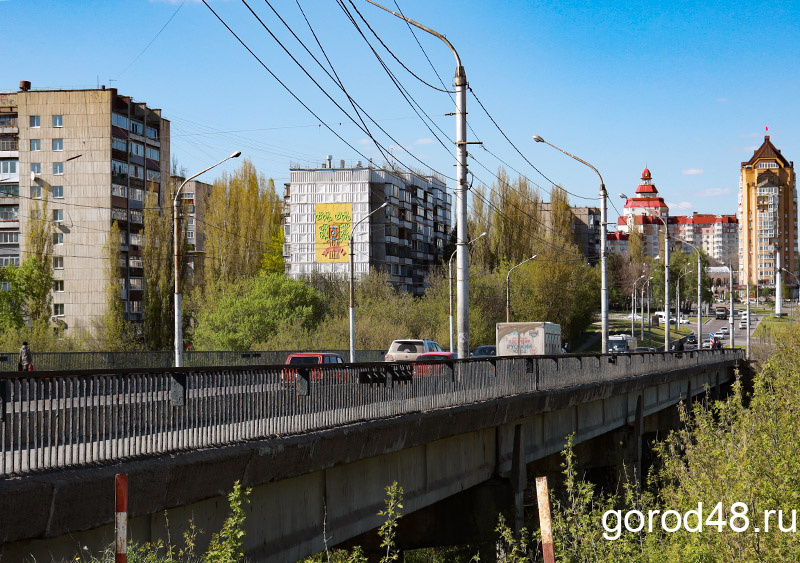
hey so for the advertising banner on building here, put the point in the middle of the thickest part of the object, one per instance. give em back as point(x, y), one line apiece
point(333, 222)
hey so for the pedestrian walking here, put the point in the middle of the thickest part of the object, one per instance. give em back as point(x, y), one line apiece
point(25, 358)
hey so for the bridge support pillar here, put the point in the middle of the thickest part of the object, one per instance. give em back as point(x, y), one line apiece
point(519, 478)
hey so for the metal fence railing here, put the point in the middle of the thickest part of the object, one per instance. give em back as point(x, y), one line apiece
point(63, 361)
point(64, 419)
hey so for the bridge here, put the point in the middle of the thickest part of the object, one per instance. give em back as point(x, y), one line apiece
point(318, 446)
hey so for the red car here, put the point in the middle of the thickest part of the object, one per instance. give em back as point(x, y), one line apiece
point(434, 358)
point(314, 359)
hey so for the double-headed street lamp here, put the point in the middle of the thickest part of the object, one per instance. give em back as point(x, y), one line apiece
point(450, 284)
point(352, 290)
point(508, 286)
point(603, 242)
point(176, 229)
point(666, 274)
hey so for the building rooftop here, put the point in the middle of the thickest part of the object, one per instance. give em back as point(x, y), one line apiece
point(767, 151)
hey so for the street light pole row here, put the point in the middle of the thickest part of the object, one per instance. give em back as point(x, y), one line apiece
point(450, 284)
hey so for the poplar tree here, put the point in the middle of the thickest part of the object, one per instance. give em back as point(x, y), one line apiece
point(158, 272)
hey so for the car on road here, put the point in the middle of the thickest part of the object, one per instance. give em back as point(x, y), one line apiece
point(707, 344)
point(303, 360)
point(691, 339)
point(743, 323)
point(407, 350)
point(426, 364)
point(724, 331)
point(485, 351)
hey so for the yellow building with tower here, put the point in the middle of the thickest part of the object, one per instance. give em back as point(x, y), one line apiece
point(768, 218)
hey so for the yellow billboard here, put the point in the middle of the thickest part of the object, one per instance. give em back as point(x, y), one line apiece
point(332, 222)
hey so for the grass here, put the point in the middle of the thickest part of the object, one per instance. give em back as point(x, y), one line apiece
point(623, 326)
point(769, 324)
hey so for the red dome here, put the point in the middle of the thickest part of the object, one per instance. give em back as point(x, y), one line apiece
point(646, 175)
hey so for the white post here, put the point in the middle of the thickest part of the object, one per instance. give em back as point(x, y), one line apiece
point(778, 284)
point(603, 267)
point(666, 283)
point(699, 299)
point(730, 315)
point(462, 257)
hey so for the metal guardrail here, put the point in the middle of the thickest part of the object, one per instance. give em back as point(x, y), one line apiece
point(66, 419)
point(61, 361)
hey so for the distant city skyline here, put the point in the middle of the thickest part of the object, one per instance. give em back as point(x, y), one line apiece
point(680, 88)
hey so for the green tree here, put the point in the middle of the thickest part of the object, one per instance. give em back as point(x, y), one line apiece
point(114, 332)
point(157, 261)
point(35, 275)
point(250, 310)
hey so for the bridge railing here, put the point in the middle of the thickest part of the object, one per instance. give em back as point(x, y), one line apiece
point(65, 419)
point(63, 361)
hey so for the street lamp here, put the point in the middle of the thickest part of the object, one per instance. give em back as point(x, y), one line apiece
point(176, 229)
point(603, 242)
point(450, 283)
point(460, 83)
point(352, 291)
point(633, 307)
point(666, 273)
point(508, 287)
point(699, 292)
point(678, 301)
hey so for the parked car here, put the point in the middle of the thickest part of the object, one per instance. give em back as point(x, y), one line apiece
point(407, 350)
point(314, 359)
point(421, 369)
point(485, 351)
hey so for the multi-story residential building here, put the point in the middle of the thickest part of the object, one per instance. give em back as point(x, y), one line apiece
point(768, 216)
point(192, 194)
point(716, 235)
point(585, 227)
point(322, 204)
point(92, 154)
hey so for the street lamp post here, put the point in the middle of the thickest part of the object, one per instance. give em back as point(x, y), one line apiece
point(633, 307)
point(730, 316)
point(508, 287)
point(176, 229)
point(603, 243)
point(450, 283)
point(460, 83)
point(666, 274)
point(678, 301)
point(352, 290)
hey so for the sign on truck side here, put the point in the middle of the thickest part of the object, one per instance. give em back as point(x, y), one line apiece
point(528, 339)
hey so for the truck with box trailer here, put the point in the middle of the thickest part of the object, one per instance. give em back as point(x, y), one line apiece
point(528, 339)
point(621, 343)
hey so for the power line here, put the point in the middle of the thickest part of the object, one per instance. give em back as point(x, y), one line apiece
point(151, 41)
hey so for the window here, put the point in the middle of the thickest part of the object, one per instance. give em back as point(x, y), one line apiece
point(135, 171)
point(137, 127)
point(58, 262)
point(58, 309)
point(58, 215)
point(58, 192)
point(136, 194)
point(58, 286)
point(137, 149)
point(36, 192)
point(9, 190)
point(9, 237)
point(58, 144)
point(36, 145)
point(152, 153)
point(9, 213)
point(58, 168)
point(152, 133)
point(118, 167)
point(7, 120)
point(8, 166)
point(5, 286)
point(58, 238)
point(119, 144)
point(35, 121)
point(8, 260)
point(58, 121)
point(153, 175)
point(119, 120)
point(36, 167)
point(117, 190)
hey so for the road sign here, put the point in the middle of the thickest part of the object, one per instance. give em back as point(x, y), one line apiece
point(711, 335)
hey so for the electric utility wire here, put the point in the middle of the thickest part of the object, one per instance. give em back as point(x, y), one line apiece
point(336, 80)
point(151, 41)
point(324, 91)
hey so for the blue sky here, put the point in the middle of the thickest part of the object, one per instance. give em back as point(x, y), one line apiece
point(684, 88)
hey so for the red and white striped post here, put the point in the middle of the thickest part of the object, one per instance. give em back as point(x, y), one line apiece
point(121, 519)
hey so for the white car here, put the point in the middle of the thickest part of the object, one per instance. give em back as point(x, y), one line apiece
point(724, 330)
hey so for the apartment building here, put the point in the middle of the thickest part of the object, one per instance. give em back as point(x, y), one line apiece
point(322, 204)
point(586, 229)
point(646, 213)
point(768, 217)
point(91, 154)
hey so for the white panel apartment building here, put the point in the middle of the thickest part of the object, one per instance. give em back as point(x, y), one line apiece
point(92, 153)
point(404, 239)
